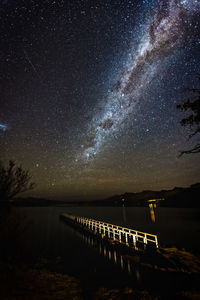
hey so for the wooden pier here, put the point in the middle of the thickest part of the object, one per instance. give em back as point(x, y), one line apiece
point(124, 235)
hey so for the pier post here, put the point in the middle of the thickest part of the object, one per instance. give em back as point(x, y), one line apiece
point(156, 241)
point(126, 236)
point(120, 236)
point(134, 241)
point(145, 239)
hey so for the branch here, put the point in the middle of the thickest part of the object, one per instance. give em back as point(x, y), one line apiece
point(196, 91)
point(194, 133)
point(14, 180)
point(19, 191)
point(196, 149)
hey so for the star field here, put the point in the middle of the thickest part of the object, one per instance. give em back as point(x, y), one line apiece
point(89, 92)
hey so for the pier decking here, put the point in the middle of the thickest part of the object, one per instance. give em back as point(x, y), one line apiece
point(124, 235)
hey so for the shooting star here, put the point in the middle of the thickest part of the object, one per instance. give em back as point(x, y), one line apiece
point(32, 65)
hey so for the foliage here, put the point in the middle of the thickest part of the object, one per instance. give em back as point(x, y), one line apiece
point(14, 180)
point(193, 120)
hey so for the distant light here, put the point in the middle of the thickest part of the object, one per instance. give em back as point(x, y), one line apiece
point(155, 200)
point(3, 127)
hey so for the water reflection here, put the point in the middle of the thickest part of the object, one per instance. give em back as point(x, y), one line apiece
point(124, 215)
point(152, 208)
point(112, 255)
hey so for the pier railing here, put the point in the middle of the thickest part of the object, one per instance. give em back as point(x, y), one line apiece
point(117, 233)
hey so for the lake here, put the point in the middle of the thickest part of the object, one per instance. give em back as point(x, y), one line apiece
point(94, 262)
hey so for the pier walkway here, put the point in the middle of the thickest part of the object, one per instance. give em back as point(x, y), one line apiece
point(124, 235)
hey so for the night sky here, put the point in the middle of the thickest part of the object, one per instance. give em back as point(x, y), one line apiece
point(89, 92)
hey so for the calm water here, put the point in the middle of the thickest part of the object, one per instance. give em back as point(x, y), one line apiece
point(91, 261)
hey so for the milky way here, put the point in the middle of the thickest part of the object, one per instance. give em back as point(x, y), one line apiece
point(89, 91)
point(161, 38)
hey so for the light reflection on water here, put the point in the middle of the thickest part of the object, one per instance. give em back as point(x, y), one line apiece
point(152, 208)
point(104, 265)
point(111, 254)
point(174, 226)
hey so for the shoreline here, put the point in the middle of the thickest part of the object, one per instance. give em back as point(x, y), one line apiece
point(19, 280)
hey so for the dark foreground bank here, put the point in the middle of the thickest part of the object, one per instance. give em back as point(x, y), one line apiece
point(37, 281)
point(34, 283)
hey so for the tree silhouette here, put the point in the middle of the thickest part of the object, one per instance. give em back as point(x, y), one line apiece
point(13, 181)
point(193, 120)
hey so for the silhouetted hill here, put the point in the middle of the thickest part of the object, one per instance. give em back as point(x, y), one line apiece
point(36, 202)
point(177, 197)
